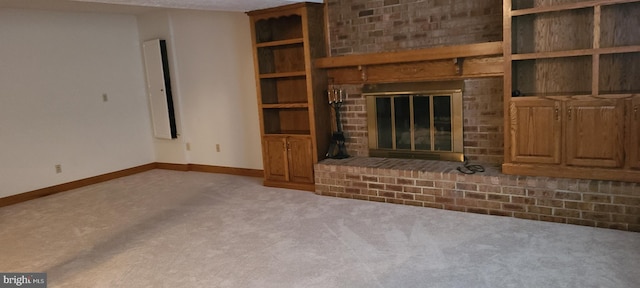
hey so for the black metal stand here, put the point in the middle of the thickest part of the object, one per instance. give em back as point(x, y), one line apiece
point(337, 148)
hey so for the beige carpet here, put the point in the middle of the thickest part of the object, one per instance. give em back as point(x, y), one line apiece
point(187, 229)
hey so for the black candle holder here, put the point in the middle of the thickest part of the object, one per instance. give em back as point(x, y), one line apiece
point(337, 148)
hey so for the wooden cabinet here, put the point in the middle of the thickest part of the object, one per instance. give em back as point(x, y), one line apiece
point(574, 61)
point(294, 116)
point(594, 133)
point(289, 159)
point(535, 131)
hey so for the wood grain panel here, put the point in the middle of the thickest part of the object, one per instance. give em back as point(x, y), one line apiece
point(576, 27)
point(619, 73)
point(266, 63)
point(226, 170)
point(268, 91)
point(535, 131)
point(286, 120)
point(277, 26)
point(419, 71)
point(210, 169)
point(619, 25)
point(594, 133)
point(275, 158)
point(634, 133)
point(271, 121)
point(294, 120)
point(571, 172)
point(320, 115)
point(300, 159)
point(410, 71)
point(281, 59)
point(508, 81)
point(523, 35)
point(428, 54)
point(289, 58)
point(525, 7)
point(292, 90)
point(562, 76)
point(482, 67)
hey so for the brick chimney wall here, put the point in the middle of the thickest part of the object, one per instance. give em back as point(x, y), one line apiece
point(365, 26)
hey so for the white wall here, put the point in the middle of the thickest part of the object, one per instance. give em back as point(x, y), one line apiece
point(213, 85)
point(217, 86)
point(54, 68)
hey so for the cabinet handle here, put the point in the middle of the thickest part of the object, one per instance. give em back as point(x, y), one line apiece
point(569, 111)
point(557, 114)
point(635, 112)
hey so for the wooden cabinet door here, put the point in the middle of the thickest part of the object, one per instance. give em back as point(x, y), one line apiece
point(275, 155)
point(634, 133)
point(594, 132)
point(535, 131)
point(300, 159)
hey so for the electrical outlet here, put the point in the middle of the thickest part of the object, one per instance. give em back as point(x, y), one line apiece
point(105, 98)
point(217, 147)
point(188, 146)
point(58, 168)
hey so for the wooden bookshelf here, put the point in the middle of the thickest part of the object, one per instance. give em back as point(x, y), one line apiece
point(294, 122)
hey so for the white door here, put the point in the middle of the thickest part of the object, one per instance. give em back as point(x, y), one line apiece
point(161, 106)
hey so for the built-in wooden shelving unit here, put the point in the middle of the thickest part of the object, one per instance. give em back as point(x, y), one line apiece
point(571, 88)
point(294, 121)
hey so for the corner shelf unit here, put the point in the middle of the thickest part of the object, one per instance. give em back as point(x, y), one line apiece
point(571, 88)
point(293, 115)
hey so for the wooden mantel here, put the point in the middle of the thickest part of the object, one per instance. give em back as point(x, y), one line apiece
point(440, 63)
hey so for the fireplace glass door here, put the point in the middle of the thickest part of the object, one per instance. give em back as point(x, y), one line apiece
point(415, 125)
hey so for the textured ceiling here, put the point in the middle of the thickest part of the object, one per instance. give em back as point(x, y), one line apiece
point(141, 6)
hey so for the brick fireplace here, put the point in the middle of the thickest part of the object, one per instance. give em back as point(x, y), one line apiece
point(364, 26)
point(482, 123)
point(361, 27)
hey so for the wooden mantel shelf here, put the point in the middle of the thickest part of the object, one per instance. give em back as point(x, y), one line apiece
point(450, 62)
point(428, 54)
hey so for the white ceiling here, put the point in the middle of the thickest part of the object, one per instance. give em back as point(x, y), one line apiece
point(141, 6)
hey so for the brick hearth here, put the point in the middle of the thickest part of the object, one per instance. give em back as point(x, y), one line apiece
point(437, 184)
